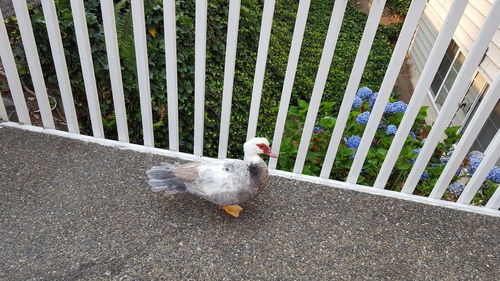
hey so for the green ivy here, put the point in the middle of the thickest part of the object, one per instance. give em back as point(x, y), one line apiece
point(248, 36)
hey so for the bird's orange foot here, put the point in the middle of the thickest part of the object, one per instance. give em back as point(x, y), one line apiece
point(233, 210)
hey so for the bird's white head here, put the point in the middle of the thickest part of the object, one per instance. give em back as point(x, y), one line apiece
point(256, 146)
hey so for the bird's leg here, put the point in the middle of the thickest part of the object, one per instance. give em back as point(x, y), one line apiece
point(233, 210)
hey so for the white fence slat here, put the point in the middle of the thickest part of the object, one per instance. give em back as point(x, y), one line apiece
point(319, 85)
point(115, 73)
point(141, 55)
point(291, 69)
point(354, 79)
point(491, 156)
point(56, 46)
point(199, 74)
point(171, 64)
point(230, 60)
point(31, 52)
point(494, 202)
point(420, 91)
point(260, 67)
point(10, 68)
point(82, 39)
point(457, 93)
point(3, 111)
point(469, 136)
point(398, 56)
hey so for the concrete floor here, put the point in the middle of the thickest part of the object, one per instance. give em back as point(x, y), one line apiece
point(77, 211)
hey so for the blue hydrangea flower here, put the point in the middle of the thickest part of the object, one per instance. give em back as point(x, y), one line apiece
point(372, 99)
point(412, 160)
point(443, 160)
point(391, 130)
point(417, 150)
point(425, 176)
point(352, 142)
point(364, 92)
point(476, 154)
point(456, 188)
point(412, 135)
point(362, 119)
point(494, 175)
point(357, 102)
point(318, 129)
point(352, 155)
point(394, 107)
point(457, 172)
point(382, 125)
point(473, 164)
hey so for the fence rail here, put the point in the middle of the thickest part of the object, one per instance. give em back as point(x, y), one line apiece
point(410, 25)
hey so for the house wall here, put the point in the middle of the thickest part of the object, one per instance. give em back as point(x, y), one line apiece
point(468, 29)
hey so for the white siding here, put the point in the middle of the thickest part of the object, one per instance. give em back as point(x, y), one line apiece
point(467, 31)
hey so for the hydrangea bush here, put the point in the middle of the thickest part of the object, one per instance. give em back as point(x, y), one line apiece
point(387, 128)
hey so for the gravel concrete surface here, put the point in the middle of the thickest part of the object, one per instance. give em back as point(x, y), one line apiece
point(71, 210)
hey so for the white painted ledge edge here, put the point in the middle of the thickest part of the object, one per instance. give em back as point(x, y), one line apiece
point(289, 175)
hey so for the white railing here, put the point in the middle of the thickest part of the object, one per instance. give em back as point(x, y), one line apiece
point(410, 25)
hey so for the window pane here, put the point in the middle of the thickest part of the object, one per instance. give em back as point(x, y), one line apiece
point(475, 92)
point(450, 79)
point(443, 67)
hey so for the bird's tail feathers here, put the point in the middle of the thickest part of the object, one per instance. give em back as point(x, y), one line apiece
point(162, 179)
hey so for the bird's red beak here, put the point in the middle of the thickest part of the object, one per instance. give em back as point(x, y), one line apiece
point(269, 153)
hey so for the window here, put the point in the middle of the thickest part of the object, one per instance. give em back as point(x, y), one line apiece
point(446, 74)
point(470, 102)
point(468, 107)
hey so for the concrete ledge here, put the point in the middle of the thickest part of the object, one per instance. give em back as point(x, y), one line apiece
point(73, 210)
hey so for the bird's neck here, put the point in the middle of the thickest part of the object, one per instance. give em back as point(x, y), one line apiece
point(253, 158)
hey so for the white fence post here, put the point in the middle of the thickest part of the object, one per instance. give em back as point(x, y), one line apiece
point(457, 93)
point(31, 52)
point(199, 75)
point(82, 39)
point(354, 79)
point(291, 69)
point(171, 64)
point(141, 54)
point(56, 46)
point(428, 73)
point(227, 93)
point(405, 37)
point(491, 156)
point(260, 67)
point(3, 111)
point(469, 136)
point(319, 85)
point(10, 68)
point(115, 73)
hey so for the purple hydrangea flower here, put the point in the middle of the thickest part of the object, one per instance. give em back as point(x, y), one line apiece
point(357, 102)
point(372, 99)
point(362, 119)
point(494, 175)
point(352, 142)
point(364, 92)
point(425, 176)
point(456, 188)
point(391, 130)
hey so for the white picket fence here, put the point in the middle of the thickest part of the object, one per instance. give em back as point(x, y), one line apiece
point(411, 22)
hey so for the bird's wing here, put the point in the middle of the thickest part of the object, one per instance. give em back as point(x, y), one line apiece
point(188, 172)
point(220, 177)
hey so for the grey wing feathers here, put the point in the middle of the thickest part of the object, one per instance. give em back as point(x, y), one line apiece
point(187, 172)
